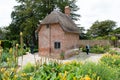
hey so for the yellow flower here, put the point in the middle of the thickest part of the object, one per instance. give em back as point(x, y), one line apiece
point(31, 78)
point(74, 78)
point(10, 50)
point(7, 59)
point(98, 78)
point(23, 74)
point(21, 33)
point(6, 73)
point(60, 75)
point(17, 45)
point(87, 77)
point(67, 62)
point(0, 42)
point(15, 76)
point(3, 69)
point(12, 69)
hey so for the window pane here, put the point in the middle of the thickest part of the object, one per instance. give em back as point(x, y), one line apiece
point(57, 45)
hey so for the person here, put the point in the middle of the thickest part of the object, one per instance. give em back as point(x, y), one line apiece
point(32, 49)
point(87, 49)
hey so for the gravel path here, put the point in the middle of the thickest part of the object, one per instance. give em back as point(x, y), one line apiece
point(80, 57)
point(84, 57)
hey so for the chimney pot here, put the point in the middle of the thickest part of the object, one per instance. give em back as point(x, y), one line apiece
point(67, 10)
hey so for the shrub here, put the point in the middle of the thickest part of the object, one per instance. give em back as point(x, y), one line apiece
point(112, 61)
point(97, 49)
point(6, 43)
point(28, 68)
point(75, 70)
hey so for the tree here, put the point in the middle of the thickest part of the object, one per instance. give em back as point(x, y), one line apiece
point(82, 33)
point(116, 31)
point(101, 29)
point(28, 13)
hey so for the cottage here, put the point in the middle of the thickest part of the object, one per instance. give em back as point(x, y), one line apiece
point(57, 33)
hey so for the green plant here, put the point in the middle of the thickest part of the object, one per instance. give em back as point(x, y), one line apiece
point(6, 44)
point(28, 68)
point(62, 55)
point(97, 49)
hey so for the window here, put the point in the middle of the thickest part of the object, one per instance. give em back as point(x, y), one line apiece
point(57, 45)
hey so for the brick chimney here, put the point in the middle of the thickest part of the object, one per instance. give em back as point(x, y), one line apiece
point(67, 10)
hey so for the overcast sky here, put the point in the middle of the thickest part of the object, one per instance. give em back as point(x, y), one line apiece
point(90, 11)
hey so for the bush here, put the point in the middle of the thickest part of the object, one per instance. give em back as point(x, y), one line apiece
point(28, 68)
point(113, 61)
point(97, 49)
point(77, 71)
point(6, 43)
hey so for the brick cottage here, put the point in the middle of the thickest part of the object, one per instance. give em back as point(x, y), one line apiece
point(57, 33)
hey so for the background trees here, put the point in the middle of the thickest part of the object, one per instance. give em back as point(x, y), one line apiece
point(101, 29)
point(28, 13)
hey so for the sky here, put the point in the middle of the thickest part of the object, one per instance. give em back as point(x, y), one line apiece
point(90, 11)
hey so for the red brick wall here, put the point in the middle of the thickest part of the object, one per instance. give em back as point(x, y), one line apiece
point(71, 40)
point(44, 40)
point(57, 35)
point(48, 36)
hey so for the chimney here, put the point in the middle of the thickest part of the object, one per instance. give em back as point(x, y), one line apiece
point(67, 10)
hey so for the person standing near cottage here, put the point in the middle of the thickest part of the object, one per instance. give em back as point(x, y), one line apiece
point(87, 49)
point(32, 48)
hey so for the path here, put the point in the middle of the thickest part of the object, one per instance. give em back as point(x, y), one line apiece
point(84, 57)
point(81, 57)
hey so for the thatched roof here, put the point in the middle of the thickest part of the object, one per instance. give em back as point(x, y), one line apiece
point(58, 17)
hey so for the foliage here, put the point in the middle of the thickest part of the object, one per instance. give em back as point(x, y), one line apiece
point(107, 69)
point(5, 55)
point(62, 55)
point(116, 31)
point(97, 49)
point(101, 29)
point(28, 68)
point(28, 14)
point(75, 70)
point(9, 65)
point(113, 61)
point(2, 33)
point(6, 44)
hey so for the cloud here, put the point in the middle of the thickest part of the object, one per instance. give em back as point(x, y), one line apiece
point(92, 10)
point(6, 7)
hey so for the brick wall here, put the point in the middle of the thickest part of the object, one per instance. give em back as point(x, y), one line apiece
point(94, 42)
point(48, 36)
point(44, 40)
point(71, 40)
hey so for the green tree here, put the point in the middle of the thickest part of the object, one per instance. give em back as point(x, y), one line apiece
point(82, 33)
point(28, 13)
point(116, 31)
point(101, 29)
point(2, 33)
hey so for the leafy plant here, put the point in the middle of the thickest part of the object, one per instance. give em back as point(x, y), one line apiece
point(62, 55)
point(28, 68)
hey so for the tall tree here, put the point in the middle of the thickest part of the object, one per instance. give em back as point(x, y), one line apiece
point(28, 13)
point(101, 29)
